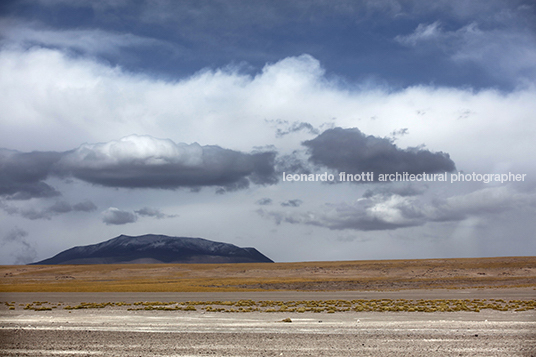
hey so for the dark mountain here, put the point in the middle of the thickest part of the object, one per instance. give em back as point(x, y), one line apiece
point(152, 248)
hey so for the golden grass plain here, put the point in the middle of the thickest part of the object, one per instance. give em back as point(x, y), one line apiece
point(498, 272)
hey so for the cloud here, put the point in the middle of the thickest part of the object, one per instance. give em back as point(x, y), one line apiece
point(399, 132)
point(65, 207)
point(268, 14)
point(292, 203)
point(25, 253)
point(26, 191)
point(86, 206)
point(60, 207)
point(88, 41)
point(488, 47)
point(264, 201)
point(372, 214)
point(34, 214)
point(351, 151)
point(280, 217)
point(15, 235)
point(295, 163)
point(285, 128)
point(493, 200)
point(115, 216)
point(57, 208)
point(210, 106)
point(423, 32)
point(392, 211)
point(92, 102)
point(153, 212)
point(403, 190)
point(147, 162)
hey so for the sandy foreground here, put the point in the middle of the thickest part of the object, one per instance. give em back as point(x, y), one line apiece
point(114, 331)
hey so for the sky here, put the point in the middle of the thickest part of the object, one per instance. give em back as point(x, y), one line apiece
point(311, 130)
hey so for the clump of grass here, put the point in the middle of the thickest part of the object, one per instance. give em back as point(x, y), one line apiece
point(89, 305)
point(42, 308)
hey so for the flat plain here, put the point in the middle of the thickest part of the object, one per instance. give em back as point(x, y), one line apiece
point(435, 307)
point(307, 276)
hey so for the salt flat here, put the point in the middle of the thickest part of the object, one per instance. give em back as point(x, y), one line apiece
point(158, 333)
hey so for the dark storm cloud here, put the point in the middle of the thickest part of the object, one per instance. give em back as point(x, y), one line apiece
point(153, 212)
point(133, 162)
point(146, 162)
point(292, 203)
point(26, 191)
point(351, 151)
point(22, 174)
point(115, 216)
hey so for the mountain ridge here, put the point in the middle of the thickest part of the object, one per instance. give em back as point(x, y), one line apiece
point(156, 249)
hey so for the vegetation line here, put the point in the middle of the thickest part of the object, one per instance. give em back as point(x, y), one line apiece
point(315, 306)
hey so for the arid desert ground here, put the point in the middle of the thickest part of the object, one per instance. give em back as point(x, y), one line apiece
point(447, 307)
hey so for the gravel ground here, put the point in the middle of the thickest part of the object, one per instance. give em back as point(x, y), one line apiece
point(110, 332)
